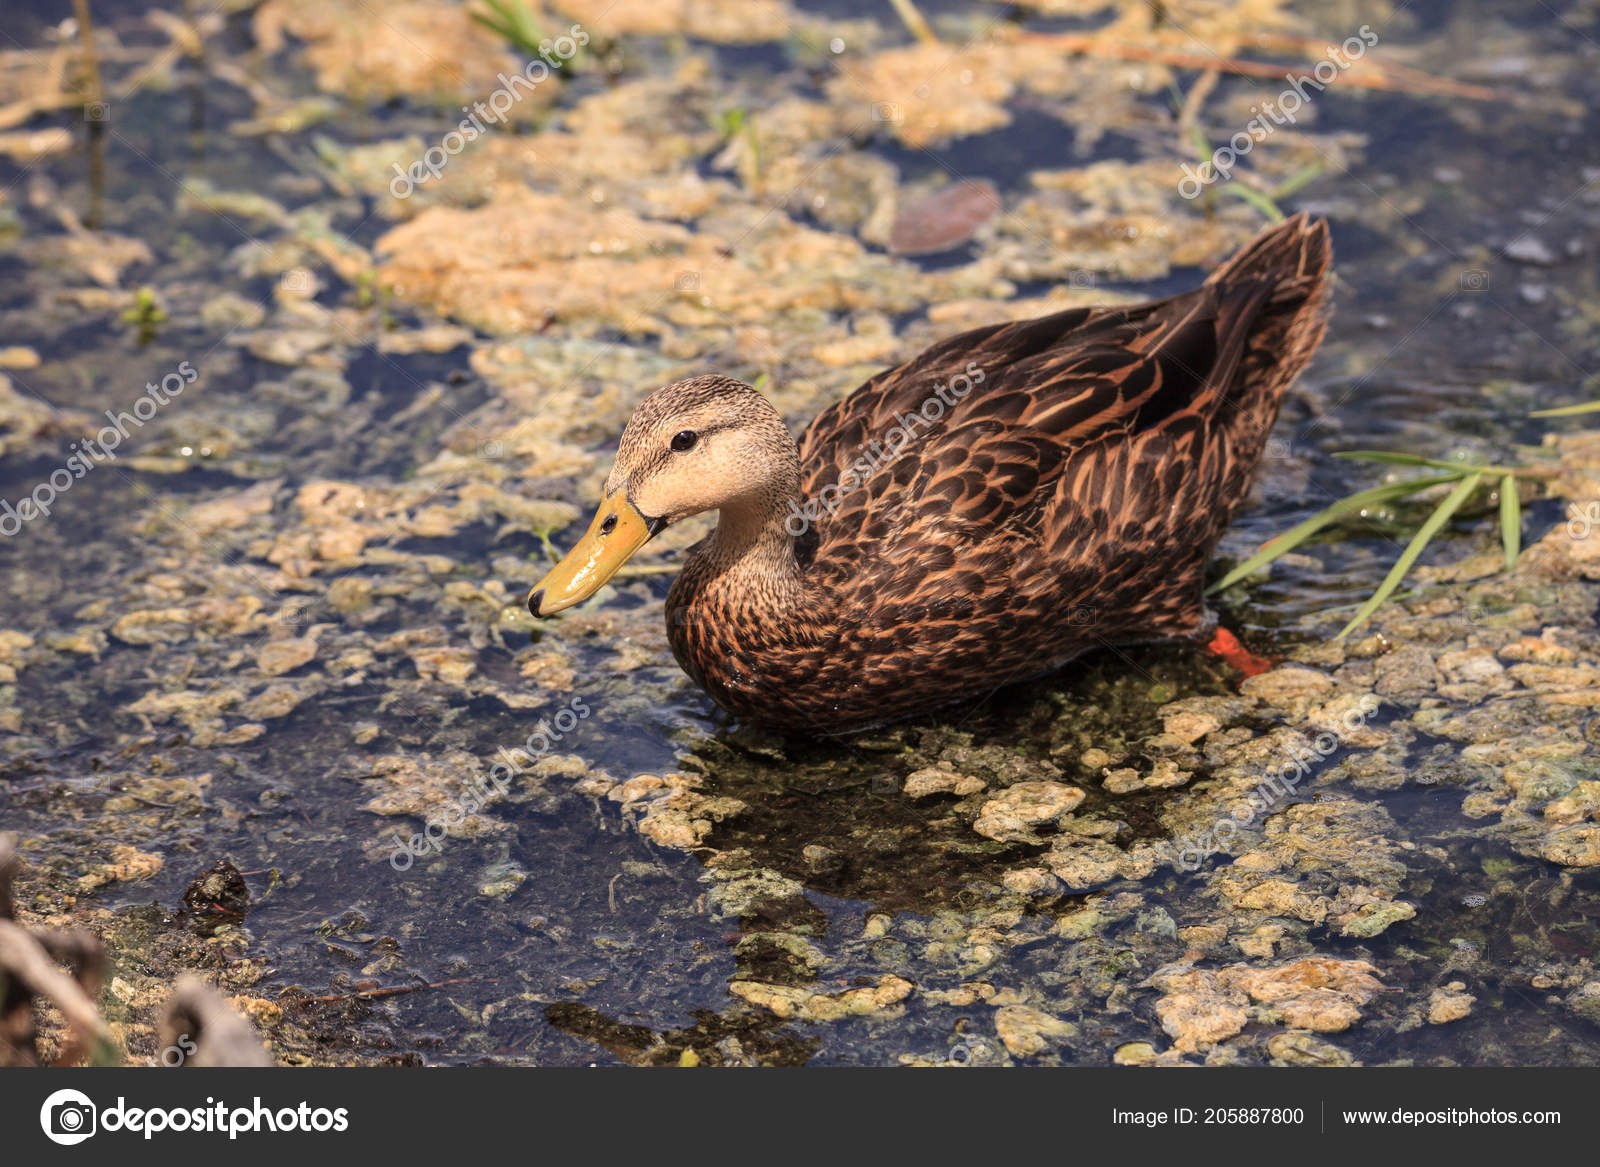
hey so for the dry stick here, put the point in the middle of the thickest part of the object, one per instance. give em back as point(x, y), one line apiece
point(25, 959)
point(96, 126)
point(30, 959)
point(1375, 78)
point(1296, 43)
point(1310, 45)
point(218, 1036)
point(80, 951)
point(86, 39)
point(8, 872)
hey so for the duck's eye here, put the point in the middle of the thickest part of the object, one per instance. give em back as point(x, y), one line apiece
point(684, 439)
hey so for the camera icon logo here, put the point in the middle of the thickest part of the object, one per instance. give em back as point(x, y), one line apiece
point(973, 1051)
point(68, 1117)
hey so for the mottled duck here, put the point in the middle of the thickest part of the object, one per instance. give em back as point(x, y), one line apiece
point(1010, 498)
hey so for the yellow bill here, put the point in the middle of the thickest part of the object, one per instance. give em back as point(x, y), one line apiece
point(617, 532)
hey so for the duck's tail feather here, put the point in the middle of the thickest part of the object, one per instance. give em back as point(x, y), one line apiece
point(1295, 255)
point(1292, 261)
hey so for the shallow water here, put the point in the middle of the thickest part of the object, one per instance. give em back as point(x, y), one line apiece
point(561, 933)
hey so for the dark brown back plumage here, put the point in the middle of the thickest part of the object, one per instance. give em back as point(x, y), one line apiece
point(1067, 493)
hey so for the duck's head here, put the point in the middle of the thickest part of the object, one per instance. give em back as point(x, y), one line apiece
point(708, 443)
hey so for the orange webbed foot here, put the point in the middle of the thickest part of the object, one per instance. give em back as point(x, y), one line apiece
point(1226, 646)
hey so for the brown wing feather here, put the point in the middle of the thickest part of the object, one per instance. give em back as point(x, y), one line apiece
point(1097, 457)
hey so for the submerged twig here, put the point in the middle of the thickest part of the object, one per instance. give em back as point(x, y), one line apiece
point(91, 60)
point(396, 990)
point(1374, 76)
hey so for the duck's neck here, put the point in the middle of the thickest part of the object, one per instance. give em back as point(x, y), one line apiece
point(749, 564)
point(751, 543)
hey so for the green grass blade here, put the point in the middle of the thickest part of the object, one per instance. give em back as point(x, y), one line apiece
point(1256, 199)
point(496, 18)
point(491, 23)
point(1441, 515)
point(1510, 520)
point(1404, 460)
point(1297, 180)
point(514, 22)
point(1262, 202)
point(1384, 456)
point(1299, 533)
point(527, 25)
point(1567, 410)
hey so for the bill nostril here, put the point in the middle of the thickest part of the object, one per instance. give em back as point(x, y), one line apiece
point(609, 525)
point(535, 600)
